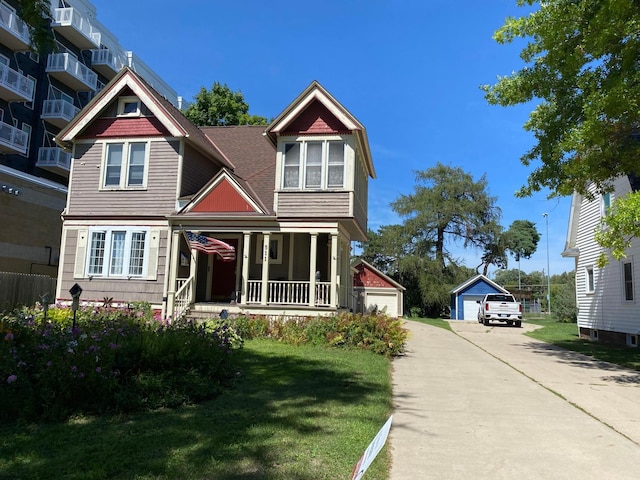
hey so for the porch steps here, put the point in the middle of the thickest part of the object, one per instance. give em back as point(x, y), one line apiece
point(208, 311)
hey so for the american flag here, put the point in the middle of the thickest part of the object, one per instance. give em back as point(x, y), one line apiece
point(211, 245)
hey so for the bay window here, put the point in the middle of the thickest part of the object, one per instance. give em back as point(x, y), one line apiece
point(314, 165)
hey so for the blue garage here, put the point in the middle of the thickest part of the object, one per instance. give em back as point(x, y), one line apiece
point(465, 296)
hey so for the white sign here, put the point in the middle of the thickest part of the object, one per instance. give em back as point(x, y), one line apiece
point(372, 451)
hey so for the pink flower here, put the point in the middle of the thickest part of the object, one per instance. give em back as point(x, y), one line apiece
point(8, 336)
point(12, 378)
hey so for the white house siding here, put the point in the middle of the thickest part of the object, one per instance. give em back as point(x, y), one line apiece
point(606, 308)
point(158, 198)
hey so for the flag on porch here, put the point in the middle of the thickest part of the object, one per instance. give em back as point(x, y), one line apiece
point(211, 245)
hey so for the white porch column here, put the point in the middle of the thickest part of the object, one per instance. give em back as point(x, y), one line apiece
point(171, 270)
point(246, 250)
point(193, 270)
point(266, 242)
point(334, 270)
point(312, 269)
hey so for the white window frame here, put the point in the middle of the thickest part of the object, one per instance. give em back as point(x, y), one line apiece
point(304, 142)
point(589, 279)
point(109, 249)
point(124, 179)
point(275, 248)
point(124, 103)
point(626, 280)
point(632, 340)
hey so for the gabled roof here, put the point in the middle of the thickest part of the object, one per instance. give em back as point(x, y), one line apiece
point(252, 155)
point(169, 116)
point(317, 93)
point(363, 264)
point(224, 194)
point(478, 278)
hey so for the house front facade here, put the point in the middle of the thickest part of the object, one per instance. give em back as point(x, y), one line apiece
point(287, 199)
point(607, 297)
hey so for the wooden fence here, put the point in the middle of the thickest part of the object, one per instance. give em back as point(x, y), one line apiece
point(21, 289)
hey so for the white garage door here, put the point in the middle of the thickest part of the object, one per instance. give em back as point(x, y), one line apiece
point(471, 307)
point(382, 300)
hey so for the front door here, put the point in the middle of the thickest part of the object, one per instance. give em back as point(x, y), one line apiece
point(223, 282)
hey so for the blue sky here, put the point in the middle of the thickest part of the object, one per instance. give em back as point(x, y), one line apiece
point(409, 70)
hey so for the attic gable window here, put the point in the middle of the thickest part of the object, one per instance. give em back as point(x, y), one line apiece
point(313, 165)
point(129, 107)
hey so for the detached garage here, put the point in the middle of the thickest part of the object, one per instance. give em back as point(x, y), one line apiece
point(465, 296)
point(376, 291)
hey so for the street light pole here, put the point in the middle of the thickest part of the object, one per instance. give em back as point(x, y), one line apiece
point(546, 218)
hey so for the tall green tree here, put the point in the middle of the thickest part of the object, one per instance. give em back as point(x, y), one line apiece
point(448, 205)
point(220, 106)
point(521, 240)
point(581, 69)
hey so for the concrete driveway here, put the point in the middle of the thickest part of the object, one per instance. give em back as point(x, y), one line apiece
point(490, 403)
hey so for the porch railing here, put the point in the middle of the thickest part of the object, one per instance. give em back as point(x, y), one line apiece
point(183, 297)
point(286, 292)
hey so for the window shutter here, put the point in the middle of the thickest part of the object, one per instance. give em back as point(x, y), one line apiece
point(81, 253)
point(154, 251)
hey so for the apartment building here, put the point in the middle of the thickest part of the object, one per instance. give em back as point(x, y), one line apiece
point(39, 95)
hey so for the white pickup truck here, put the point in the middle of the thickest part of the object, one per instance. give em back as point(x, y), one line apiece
point(502, 307)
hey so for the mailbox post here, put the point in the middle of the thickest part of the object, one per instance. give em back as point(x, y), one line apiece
point(75, 292)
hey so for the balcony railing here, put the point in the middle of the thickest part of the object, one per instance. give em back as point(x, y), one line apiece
point(66, 68)
point(58, 112)
point(285, 292)
point(13, 140)
point(70, 23)
point(13, 31)
point(15, 87)
point(107, 62)
point(54, 159)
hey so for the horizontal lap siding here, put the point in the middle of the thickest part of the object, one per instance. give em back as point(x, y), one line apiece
point(196, 172)
point(314, 204)
point(158, 198)
point(605, 308)
point(121, 290)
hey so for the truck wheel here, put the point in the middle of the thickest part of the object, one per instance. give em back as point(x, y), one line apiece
point(486, 321)
point(518, 323)
point(509, 322)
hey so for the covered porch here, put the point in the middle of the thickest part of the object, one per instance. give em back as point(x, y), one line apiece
point(285, 273)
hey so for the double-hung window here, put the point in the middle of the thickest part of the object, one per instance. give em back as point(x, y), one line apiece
point(117, 252)
point(125, 165)
point(314, 165)
point(627, 271)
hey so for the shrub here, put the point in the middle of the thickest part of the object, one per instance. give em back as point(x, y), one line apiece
point(113, 360)
point(376, 332)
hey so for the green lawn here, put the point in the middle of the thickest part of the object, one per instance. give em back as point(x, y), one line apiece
point(296, 413)
point(565, 335)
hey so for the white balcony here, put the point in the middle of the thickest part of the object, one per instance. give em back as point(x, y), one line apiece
point(76, 28)
point(58, 112)
point(55, 160)
point(15, 87)
point(66, 68)
point(107, 62)
point(13, 140)
point(13, 31)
